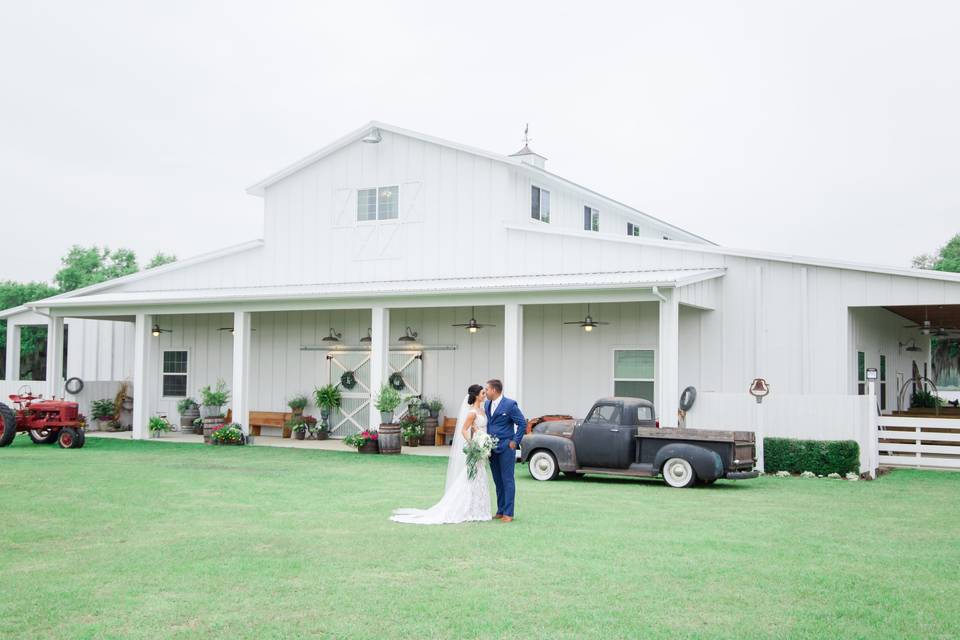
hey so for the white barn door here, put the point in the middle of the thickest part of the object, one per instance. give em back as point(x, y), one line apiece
point(354, 413)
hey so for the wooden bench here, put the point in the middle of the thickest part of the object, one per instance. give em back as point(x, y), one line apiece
point(447, 428)
point(259, 419)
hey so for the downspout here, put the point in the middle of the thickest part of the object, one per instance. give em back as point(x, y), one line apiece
point(656, 291)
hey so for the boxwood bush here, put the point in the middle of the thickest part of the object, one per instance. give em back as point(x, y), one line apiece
point(822, 457)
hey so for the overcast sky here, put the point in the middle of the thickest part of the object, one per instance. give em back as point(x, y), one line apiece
point(817, 128)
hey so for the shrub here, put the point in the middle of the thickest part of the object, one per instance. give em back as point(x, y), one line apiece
point(228, 434)
point(822, 457)
point(297, 402)
point(103, 409)
point(158, 424)
point(328, 397)
point(388, 399)
point(215, 396)
point(186, 405)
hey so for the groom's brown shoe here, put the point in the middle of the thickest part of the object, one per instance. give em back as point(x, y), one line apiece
point(499, 516)
point(506, 519)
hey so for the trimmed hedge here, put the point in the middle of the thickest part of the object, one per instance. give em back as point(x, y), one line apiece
point(822, 457)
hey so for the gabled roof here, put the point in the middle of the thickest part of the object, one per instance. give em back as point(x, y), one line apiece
point(259, 189)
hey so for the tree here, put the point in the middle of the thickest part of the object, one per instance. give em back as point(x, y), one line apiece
point(84, 266)
point(161, 259)
point(947, 257)
point(33, 340)
point(944, 353)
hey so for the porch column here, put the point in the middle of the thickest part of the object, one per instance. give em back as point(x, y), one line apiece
point(379, 356)
point(668, 358)
point(54, 356)
point(513, 351)
point(241, 369)
point(141, 367)
point(13, 351)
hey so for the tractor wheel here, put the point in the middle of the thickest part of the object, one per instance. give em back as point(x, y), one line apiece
point(81, 439)
point(8, 425)
point(43, 436)
point(68, 438)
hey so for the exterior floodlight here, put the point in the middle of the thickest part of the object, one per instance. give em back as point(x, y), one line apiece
point(373, 137)
point(333, 337)
point(409, 336)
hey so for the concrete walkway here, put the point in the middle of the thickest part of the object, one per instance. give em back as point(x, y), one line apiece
point(269, 441)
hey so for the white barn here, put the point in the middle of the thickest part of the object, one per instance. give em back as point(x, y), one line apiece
point(388, 233)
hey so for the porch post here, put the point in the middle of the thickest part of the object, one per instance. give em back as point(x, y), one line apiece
point(241, 369)
point(141, 368)
point(54, 356)
point(13, 351)
point(668, 358)
point(379, 356)
point(513, 351)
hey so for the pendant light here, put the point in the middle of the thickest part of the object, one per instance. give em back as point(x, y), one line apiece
point(333, 337)
point(473, 326)
point(588, 323)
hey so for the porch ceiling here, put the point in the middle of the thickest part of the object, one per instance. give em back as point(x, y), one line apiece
point(491, 284)
point(939, 315)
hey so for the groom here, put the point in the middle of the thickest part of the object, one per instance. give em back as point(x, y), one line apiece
point(507, 424)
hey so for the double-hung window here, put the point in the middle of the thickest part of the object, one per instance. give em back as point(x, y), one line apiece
point(632, 229)
point(174, 374)
point(540, 204)
point(633, 373)
point(591, 219)
point(380, 203)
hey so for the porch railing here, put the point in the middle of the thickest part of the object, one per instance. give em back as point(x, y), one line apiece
point(919, 441)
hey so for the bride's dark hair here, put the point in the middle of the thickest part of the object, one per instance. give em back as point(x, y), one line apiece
point(472, 392)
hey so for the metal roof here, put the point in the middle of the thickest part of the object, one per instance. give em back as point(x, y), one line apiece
point(541, 282)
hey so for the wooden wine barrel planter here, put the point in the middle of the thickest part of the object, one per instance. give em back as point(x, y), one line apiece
point(188, 416)
point(209, 426)
point(370, 446)
point(389, 439)
point(429, 437)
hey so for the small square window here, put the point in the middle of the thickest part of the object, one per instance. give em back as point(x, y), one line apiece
point(378, 204)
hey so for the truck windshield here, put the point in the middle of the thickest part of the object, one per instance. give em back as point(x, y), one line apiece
point(605, 413)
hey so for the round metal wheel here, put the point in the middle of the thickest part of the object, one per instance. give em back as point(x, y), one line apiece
point(43, 436)
point(8, 425)
point(543, 466)
point(67, 438)
point(678, 473)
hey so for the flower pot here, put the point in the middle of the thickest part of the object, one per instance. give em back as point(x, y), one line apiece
point(386, 417)
point(155, 434)
point(323, 434)
point(429, 437)
point(413, 442)
point(325, 413)
point(209, 412)
point(187, 417)
point(370, 446)
point(434, 414)
point(389, 440)
point(300, 434)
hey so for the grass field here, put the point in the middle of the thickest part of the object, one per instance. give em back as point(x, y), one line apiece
point(144, 540)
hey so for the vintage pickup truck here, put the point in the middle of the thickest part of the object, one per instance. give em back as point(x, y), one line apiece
point(621, 436)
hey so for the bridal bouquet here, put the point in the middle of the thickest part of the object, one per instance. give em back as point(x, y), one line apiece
point(478, 451)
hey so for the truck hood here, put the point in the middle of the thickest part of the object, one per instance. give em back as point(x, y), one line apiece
point(562, 428)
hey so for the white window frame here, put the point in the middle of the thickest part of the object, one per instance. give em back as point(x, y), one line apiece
point(594, 218)
point(613, 367)
point(635, 228)
point(377, 219)
point(540, 205)
point(187, 374)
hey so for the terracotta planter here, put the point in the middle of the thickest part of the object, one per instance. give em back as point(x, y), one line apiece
point(370, 446)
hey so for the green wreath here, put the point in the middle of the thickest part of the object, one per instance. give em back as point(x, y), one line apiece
point(348, 380)
point(396, 381)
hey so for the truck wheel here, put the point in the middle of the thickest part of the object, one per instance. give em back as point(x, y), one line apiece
point(42, 436)
point(678, 473)
point(543, 465)
point(8, 425)
point(67, 438)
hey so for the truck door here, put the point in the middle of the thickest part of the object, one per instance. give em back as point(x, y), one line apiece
point(599, 440)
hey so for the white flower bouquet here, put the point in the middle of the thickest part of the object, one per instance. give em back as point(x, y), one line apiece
point(478, 451)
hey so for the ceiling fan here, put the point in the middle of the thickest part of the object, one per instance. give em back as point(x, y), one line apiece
point(588, 323)
point(927, 328)
point(472, 325)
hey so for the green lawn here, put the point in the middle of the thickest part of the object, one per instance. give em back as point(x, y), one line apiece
point(143, 539)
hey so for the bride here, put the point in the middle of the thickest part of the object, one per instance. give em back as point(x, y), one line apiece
point(463, 500)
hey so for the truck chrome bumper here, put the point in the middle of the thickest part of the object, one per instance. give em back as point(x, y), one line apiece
point(741, 475)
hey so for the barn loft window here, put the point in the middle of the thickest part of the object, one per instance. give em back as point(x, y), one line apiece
point(175, 374)
point(633, 373)
point(591, 219)
point(540, 204)
point(378, 204)
point(632, 229)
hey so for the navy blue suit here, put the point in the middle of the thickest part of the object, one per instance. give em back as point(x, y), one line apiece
point(506, 424)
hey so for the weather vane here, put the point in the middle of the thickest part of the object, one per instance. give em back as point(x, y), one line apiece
point(526, 135)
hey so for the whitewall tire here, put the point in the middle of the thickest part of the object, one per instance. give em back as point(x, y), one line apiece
point(678, 473)
point(543, 465)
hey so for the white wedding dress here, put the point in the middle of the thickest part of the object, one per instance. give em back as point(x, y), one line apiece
point(464, 500)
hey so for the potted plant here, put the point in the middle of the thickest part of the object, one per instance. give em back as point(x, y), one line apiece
point(227, 434)
point(312, 428)
point(365, 441)
point(297, 404)
point(435, 407)
point(198, 426)
point(189, 411)
point(103, 411)
point(411, 428)
point(213, 399)
point(298, 426)
point(388, 399)
point(158, 425)
point(328, 398)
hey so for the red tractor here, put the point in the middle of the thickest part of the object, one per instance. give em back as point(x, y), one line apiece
point(47, 421)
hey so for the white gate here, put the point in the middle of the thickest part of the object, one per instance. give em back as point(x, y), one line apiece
point(919, 441)
point(348, 367)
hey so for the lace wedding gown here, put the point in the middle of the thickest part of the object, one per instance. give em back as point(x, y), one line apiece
point(464, 500)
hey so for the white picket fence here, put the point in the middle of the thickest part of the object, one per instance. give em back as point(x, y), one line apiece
point(919, 441)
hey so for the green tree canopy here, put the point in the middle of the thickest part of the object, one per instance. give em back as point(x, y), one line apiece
point(161, 259)
point(944, 352)
point(84, 266)
point(947, 257)
point(14, 294)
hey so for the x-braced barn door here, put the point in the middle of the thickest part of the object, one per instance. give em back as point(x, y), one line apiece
point(351, 370)
point(406, 368)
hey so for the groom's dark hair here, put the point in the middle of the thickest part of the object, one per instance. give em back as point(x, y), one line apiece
point(496, 384)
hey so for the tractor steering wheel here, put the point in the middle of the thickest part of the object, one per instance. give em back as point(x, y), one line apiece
point(25, 392)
